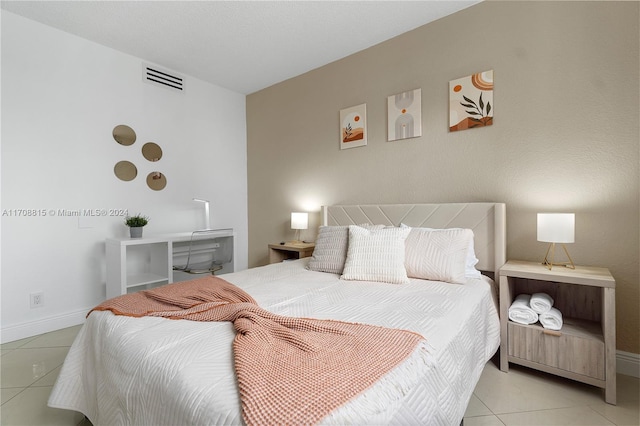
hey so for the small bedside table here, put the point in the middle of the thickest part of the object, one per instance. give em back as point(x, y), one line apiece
point(585, 348)
point(286, 251)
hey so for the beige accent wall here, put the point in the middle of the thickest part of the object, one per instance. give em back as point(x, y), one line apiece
point(565, 136)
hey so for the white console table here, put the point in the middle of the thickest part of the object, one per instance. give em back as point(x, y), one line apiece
point(134, 264)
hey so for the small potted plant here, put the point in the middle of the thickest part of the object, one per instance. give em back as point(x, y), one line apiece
point(135, 224)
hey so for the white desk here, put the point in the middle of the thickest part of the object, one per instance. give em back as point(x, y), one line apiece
point(134, 264)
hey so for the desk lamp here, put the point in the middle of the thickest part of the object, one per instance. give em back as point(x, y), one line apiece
point(556, 228)
point(207, 225)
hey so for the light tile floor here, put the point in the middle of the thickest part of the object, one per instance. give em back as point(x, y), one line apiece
point(29, 368)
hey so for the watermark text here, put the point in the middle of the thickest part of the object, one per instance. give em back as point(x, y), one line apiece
point(57, 212)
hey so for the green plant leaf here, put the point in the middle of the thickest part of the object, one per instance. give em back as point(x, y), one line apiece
point(136, 221)
point(481, 103)
point(488, 107)
point(473, 113)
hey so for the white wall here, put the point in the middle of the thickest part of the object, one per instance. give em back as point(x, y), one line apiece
point(61, 98)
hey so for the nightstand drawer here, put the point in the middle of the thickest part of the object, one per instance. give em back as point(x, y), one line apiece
point(578, 350)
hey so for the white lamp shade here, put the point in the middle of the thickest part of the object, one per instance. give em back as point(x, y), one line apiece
point(299, 220)
point(556, 227)
point(207, 222)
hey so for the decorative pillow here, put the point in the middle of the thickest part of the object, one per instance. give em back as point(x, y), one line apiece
point(438, 254)
point(330, 251)
point(376, 255)
point(471, 260)
point(470, 270)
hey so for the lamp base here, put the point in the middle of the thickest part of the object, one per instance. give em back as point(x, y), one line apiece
point(297, 240)
point(548, 261)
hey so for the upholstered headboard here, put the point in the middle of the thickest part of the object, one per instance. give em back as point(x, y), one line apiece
point(487, 220)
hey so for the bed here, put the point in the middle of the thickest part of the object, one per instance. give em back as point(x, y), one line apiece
point(153, 371)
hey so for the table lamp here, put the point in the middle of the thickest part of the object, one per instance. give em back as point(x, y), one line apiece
point(207, 224)
point(299, 221)
point(556, 228)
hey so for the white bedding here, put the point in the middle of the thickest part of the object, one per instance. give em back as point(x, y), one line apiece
point(153, 371)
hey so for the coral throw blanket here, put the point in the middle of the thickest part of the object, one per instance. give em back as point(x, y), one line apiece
point(289, 370)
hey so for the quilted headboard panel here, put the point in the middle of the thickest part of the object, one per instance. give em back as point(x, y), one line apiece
point(487, 220)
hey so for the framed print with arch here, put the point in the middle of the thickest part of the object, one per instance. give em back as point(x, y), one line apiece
point(404, 115)
point(471, 101)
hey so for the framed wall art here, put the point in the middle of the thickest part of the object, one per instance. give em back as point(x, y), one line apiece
point(353, 126)
point(471, 101)
point(404, 115)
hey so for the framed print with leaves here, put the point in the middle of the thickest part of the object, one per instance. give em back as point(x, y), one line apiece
point(353, 126)
point(404, 115)
point(471, 101)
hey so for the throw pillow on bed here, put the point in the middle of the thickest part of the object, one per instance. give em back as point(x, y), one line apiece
point(330, 251)
point(376, 255)
point(438, 254)
point(471, 260)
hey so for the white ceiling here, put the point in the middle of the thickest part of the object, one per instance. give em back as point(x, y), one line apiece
point(244, 46)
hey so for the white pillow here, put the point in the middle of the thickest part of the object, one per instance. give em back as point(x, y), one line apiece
point(330, 251)
point(471, 260)
point(376, 255)
point(438, 254)
point(470, 270)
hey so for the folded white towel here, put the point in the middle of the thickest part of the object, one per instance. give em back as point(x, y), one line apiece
point(541, 302)
point(520, 311)
point(551, 319)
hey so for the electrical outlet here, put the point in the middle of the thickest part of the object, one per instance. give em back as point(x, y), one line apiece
point(37, 299)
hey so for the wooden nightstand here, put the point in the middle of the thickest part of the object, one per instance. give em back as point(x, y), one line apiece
point(585, 348)
point(286, 251)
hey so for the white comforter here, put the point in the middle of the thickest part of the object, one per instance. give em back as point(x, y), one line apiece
point(154, 371)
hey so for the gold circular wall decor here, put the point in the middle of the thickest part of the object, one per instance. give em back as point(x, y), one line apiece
point(125, 170)
point(156, 181)
point(124, 135)
point(151, 151)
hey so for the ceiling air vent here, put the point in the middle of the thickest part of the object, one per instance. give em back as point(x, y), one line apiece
point(160, 77)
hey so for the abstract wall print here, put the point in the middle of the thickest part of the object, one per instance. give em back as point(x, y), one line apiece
point(404, 115)
point(471, 101)
point(353, 126)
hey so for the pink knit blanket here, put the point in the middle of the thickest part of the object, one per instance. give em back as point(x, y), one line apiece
point(290, 371)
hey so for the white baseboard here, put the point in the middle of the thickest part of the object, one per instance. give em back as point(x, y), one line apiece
point(44, 325)
point(628, 363)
